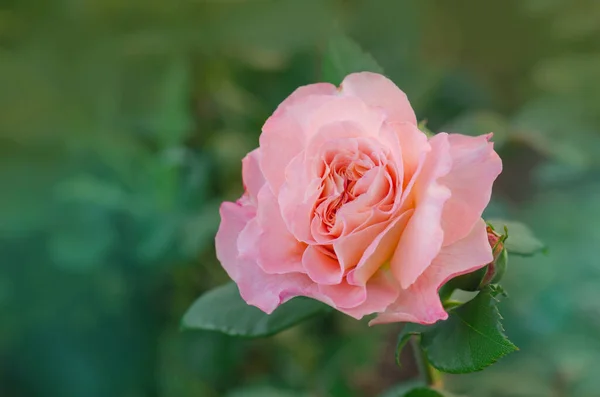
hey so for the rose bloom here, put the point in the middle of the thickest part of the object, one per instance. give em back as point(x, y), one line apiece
point(346, 201)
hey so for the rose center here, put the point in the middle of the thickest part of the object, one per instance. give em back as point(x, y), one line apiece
point(338, 188)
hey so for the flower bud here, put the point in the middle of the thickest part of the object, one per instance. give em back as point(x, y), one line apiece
point(495, 269)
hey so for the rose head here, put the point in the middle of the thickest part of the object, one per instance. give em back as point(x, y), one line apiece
point(348, 202)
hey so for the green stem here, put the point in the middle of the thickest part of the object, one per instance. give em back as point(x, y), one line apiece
point(430, 375)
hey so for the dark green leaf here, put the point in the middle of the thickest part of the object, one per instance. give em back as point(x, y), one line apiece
point(343, 56)
point(471, 339)
point(425, 392)
point(521, 240)
point(222, 309)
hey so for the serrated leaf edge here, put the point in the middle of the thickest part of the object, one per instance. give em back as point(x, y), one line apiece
point(495, 360)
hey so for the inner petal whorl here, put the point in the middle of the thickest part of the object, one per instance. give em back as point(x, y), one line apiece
point(348, 170)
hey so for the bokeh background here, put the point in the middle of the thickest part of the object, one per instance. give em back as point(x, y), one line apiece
point(122, 127)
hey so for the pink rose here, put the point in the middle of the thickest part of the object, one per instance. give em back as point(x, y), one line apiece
point(348, 202)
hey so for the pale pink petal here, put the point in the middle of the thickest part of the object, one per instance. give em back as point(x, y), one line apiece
point(381, 290)
point(281, 139)
point(344, 225)
point(329, 138)
point(345, 109)
point(350, 249)
point(301, 93)
point(322, 267)
point(475, 166)
point(265, 291)
point(247, 241)
point(252, 175)
point(421, 303)
point(344, 295)
point(283, 134)
point(279, 251)
point(378, 91)
point(297, 199)
point(373, 188)
point(423, 236)
point(391, 138)
point(413, 143)
point(234, 218)
point(378, 252)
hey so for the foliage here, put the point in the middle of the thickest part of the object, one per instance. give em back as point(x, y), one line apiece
point(471, 339)
point(222, 309)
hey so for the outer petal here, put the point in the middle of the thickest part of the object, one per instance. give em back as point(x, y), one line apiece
point(420, 303)
point(283, 134)
point(265, 291)
point(297, 198)
point(378, 91)
point(252, 174)
point(301, 93)
point(279, 251)
point(423, 237)
point(341, 109)
point(234, 218)
point(475, 166)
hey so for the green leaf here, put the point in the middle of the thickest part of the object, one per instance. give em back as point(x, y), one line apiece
point(521, 240)
point(344, 56)
point(425, 392)
point(222, 309)
point(471, 339)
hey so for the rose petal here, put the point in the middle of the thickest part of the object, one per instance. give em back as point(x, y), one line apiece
point(475, 166)
point(413, 143)
point(350, 249)
point(283, 134)
point(252, 175)
point(297, 199)
point(378, 252)
point(344, 295)
point(340, 109)
point(421, 303)
point(378, 91)
point(320, 267)
point(423, 236)
point(381, 291)
point(265, 291)
point(279, 251)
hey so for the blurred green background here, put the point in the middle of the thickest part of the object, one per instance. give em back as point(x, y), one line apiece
point(122, 127)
